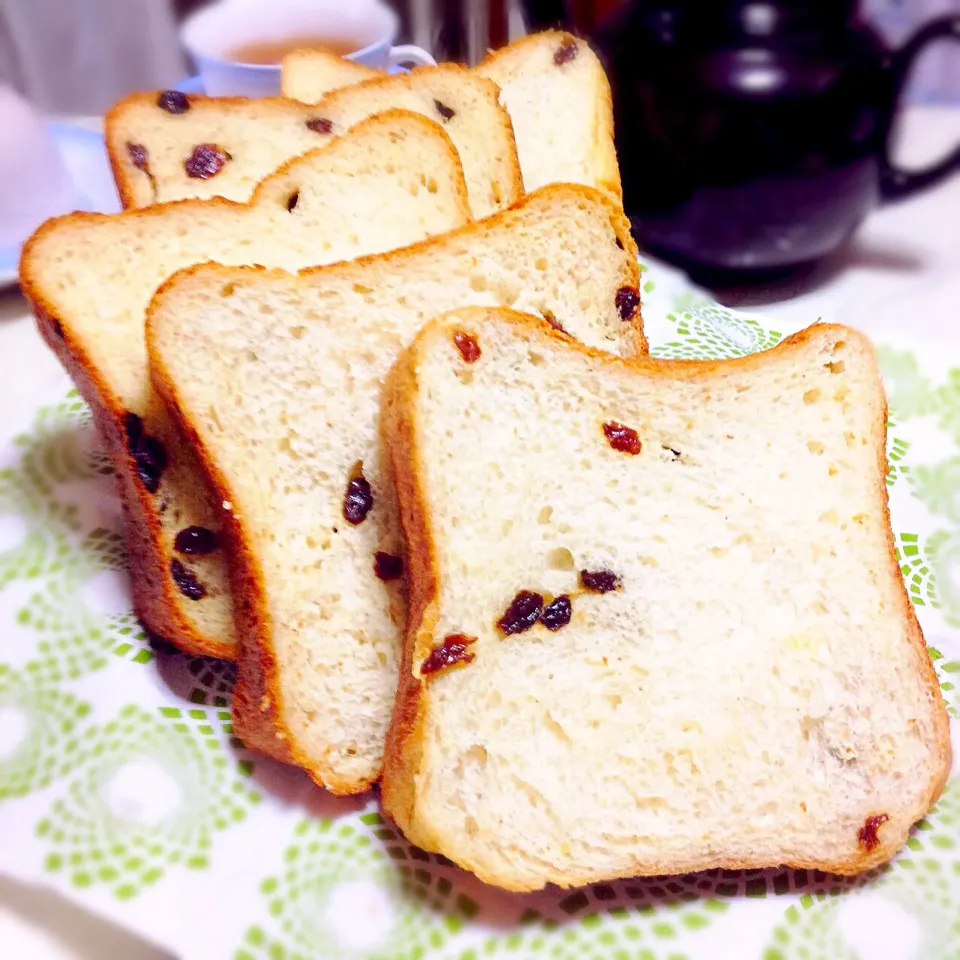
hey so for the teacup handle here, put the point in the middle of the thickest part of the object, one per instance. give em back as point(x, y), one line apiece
point(896, 183)
point(410, 53)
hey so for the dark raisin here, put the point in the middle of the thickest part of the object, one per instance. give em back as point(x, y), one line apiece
point(206, 161)
point(522, 613)
point(133, 428)
point(622, 438)
point(619, 242)
point(468, 346)
point(627, 300)
point(599, 581)
point(566, 53)
point(557, 614)
point(138, 155)
point(868, 832)
point(358, 501)
point(148, 453)
point(453, 650)
point(320, 125)
point(446, 112)
point(293, 200)
point(386, 566)
point(195, 541)
point(149, 470)
point(173, 101)
point(151, 458)
point(186, 581)
point(553, 321)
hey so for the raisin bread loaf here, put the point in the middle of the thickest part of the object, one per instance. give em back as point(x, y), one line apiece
point(171, 146)
point(552, 85)
point(286, 372)
point(657, 622)
point(393, 179)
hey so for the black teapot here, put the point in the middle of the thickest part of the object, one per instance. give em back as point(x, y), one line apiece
point(754, 134)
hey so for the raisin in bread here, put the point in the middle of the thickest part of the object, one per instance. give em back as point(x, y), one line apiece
point(393, 179)
point(285, 372)
point(553, 87)
point(657, 623)
point(170, 146)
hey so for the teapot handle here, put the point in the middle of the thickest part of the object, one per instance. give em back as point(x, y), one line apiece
point(896, 183)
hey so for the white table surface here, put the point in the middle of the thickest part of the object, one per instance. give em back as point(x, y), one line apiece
point(902, 253)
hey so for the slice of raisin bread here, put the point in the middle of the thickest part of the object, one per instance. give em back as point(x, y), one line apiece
point(171, 146)
point(558, 98)
point(284, 373)
point(309, 75)
point(553, 87)
point(657, 623)
point(393, 179)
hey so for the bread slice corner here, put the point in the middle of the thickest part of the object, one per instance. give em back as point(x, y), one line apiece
point(741, 680)
point(309, 75)
point(558, 97)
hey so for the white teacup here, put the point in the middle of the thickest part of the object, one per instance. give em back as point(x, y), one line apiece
point(212, 35)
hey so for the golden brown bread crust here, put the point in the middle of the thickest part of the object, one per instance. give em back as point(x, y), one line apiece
point(256, 710)
point(402, 755)
point(115, 153)
point(257, 704)
point(603, 135)
point(398, 439)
